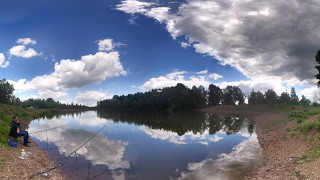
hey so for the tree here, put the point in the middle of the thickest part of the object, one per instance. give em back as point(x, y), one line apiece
point(215, 95)
point(231, 95)
point(304, 101)
point(294, 97)
point(271, 97)
point(317, 57)
point(260, 98)
point(253, 98)
point(6, 90)
point(285, 98)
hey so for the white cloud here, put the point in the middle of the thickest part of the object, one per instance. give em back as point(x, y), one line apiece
point(310, 92)
point(26, 41)
point(72, 74)
point(172, 79)
point(105, 45)
point(203, 72)
point(22, 51)
point(215, 76)
point(184, 44)
point(261, 39)
point(190, 80)
point(133, 6)
point(3, 63)
point(90, 98)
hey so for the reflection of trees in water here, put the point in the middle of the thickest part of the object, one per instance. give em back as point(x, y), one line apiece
point(58, 114)
point(181, 122)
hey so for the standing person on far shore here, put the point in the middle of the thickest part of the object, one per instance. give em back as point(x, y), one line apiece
point(15, 131)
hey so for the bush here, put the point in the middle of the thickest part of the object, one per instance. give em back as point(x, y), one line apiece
point(307, 126)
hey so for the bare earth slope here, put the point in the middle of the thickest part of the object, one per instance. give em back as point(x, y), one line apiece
point(281, 149)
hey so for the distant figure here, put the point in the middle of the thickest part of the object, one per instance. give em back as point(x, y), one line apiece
point(15, 131)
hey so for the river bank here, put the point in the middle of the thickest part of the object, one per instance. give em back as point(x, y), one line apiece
point(288, 153)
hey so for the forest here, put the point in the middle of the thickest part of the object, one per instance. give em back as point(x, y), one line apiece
point(181, 97)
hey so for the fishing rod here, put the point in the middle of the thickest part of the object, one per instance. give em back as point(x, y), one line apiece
point(87, 140)
point(48, 129)
point(46, 171)
point(95, 175)
point(70, 154)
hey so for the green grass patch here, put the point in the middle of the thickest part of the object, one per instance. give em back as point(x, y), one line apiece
point(293, 134)
point(2, 163)
point(306, 126)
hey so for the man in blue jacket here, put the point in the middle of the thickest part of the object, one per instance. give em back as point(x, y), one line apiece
point(15, 131)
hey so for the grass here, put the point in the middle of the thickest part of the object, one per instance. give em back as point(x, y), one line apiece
point(1, 163)
point(305, 126)
point(6, 113)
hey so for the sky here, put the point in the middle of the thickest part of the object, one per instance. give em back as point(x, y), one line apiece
point(85, 51)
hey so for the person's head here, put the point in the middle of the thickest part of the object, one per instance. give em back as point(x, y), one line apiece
point(15, 118)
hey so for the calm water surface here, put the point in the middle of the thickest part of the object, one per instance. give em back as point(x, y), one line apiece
point(175, 146)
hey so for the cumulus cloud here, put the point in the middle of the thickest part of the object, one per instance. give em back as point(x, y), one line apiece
point(133, 6)
point(215, 76)
point(175, 77)
point(204, 78)
point(22, 51)
point(90, 98)
point(71, 73)
point(261, 39)
point(26, 41)
point(107, 45)
point(3, 63)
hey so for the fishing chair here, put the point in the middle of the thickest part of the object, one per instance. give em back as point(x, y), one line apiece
point(14, 138)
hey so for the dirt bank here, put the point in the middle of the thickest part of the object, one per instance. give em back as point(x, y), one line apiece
point(281, 150)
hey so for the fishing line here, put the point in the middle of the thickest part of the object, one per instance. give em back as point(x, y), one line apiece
point(55, 167)
point(87, 140)
point(48, 129)
point(70, 154)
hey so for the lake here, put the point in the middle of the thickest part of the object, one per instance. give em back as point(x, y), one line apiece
point(148, 146)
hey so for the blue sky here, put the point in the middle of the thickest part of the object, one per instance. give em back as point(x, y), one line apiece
point(84, 51)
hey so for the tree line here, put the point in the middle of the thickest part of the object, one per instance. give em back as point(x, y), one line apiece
point(181, 97)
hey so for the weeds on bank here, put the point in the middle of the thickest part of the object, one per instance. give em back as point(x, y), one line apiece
point(306, 125)
point(1, 163)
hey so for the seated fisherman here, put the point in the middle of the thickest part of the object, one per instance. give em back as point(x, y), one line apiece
point(15, 131)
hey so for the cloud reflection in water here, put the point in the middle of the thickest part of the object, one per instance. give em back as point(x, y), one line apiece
point(173, 137)
point(229, 166)
point(99, 150)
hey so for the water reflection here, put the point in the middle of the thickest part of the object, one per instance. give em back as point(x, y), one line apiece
point(188, 145)
point(182, 122)
point(99, 150)
point(228, 166)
